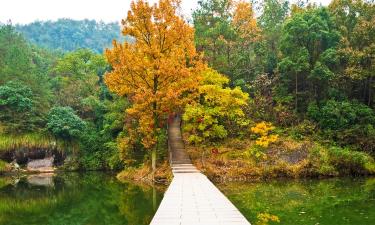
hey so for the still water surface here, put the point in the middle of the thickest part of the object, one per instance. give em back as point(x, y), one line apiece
point(99, 199)
point(75, 199)
point(340, 201)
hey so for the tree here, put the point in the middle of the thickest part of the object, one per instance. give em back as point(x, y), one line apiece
point(246, 57)
point(271, 21)
point(309, 42)
point(27, 66)
point(15, 106)
point(64, 123)
point(76, 80)
point(227, 33)
point(214, 34)
point(356, 22)
point(217, 112)
point(156, 70)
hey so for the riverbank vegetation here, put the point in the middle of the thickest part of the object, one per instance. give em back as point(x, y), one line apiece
point(266, 90)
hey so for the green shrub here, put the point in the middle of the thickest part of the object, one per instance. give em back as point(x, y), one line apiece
point(347, 161)
point(320, 160)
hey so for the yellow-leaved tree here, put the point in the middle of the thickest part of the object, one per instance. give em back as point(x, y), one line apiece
point(154, 70)
point(217, 112)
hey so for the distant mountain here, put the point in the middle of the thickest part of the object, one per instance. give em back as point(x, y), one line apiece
point(69, 35)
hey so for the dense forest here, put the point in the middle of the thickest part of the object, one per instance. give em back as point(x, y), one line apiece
point(69, 35)
point(280, 90)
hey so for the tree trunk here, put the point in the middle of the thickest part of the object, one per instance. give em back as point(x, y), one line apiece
point(153, 161)
point(296, 97)
point(369, 92)
point(156, 123)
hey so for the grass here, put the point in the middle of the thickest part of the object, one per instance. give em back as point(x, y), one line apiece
point(143, 173)
point(4, 167)
point(30, 141)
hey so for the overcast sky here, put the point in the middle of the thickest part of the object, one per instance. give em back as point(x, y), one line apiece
point(26, 11)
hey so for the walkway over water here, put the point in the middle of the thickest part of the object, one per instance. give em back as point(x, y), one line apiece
point(191, 198)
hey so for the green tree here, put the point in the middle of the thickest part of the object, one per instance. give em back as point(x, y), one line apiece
point(26, 65)
point(355, 20)
point(76, 81)
point(64, 123)
point(227, 32)
point(15, 106)
point(271, 22)
point(308, 46)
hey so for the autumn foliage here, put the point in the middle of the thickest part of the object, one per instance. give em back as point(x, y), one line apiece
point(156, 69)
point(263, 130)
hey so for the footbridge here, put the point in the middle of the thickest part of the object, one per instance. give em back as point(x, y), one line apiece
point(191, 198)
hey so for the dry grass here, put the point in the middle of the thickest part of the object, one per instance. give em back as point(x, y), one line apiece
point(163, 174)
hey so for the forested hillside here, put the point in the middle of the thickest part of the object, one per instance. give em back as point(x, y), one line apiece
point(56, 103)
point(69, 35)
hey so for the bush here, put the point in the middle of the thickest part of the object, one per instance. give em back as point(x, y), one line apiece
point(339, 115)
point(98, 151)
point(304, 129)
point(347, 161)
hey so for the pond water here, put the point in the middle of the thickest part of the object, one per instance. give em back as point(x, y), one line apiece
point(75, 199)
point(99, 199)
point(340, 201)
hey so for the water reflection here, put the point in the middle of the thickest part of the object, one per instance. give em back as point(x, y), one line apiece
point(75, 198)
point(44, 179)
point(341, 201)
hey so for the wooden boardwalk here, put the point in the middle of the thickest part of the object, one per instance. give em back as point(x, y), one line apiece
point(191, 198)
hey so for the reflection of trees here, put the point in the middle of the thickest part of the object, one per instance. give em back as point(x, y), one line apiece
point(93, 198)
point(136, 201)
point(303, 202)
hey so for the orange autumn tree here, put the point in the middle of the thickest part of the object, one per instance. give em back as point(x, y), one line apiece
point(154, 70)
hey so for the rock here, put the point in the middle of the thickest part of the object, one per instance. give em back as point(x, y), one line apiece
point(14, 166)
point(41, 165)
